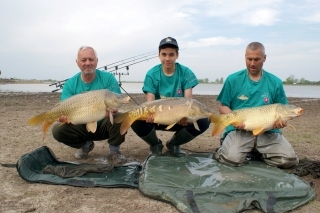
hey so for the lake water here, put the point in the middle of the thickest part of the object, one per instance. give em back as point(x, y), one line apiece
point(201, 89)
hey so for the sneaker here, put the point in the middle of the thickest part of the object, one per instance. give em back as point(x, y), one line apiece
point(116, 158)
point(83, 152)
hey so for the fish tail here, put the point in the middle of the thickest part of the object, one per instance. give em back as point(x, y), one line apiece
point(219, 125)
point(37, 119)
point(120, 117)
point(125, 120)
point(125, 125)
point(45, 127)
point(214, 118)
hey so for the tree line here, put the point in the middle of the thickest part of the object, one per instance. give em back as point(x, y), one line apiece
point(292, 80)
point(206, 81)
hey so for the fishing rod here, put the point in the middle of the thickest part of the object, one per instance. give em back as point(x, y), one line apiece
point(147, 54)
point(144, 57)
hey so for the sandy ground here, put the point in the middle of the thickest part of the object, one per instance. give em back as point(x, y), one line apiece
point(18, 138)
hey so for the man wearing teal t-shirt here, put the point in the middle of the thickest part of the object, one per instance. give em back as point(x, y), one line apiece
point(77, 136)
point(169, 79)
point(253, 87)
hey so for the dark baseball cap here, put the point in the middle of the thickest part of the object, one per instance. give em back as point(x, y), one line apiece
point(169, 41)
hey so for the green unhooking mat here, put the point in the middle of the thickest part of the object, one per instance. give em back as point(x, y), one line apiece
point(196, 184)
point(42, 166)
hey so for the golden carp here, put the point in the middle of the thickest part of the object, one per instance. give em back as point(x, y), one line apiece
point(256, 119)
point(85, 108)
point(167, 111)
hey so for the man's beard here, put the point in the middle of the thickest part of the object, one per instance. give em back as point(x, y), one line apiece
point(88, 73)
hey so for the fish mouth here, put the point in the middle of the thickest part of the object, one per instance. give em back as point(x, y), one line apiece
point(299, 111)
point(127, 100)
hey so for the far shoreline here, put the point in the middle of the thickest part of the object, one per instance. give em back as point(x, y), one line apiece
point(17, 93)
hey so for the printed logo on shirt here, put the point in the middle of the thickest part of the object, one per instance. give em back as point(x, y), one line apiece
point(179, 92)
point(243, 97)
point(265, 97)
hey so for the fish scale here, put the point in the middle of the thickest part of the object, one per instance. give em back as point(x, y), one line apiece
point(167, 111)
point(256, 119)
point(86, 108)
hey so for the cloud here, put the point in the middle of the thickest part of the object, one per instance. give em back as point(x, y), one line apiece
point(39, 39)
point(213, 41)
point(245, 12)
point(260, 17)
point(315, 18)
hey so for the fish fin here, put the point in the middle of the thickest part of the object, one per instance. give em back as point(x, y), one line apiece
point(170, 126)
point(127, 100)
point(236, 123)
point(66, 122)
point(125, 125)
point(215, 118)
point(258, 131)
point(45, 127)
point(111, 117)
point(292, 127)
point(219, 126)
point(37, 119)
point(92, 127)
point(195, 124)
point(280, 122)
point(120, 117)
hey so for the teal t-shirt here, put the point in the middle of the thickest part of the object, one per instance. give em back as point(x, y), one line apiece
point(239, 91)
point(102, 80)
point(162, 86)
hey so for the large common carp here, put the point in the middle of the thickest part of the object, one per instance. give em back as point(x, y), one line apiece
point(256, 119)
point(167, 111)
point(85, 108)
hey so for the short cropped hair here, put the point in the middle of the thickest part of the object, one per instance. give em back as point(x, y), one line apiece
point(255, 46)
point(87, 47)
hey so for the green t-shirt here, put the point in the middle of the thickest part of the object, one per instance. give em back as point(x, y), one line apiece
point(102, 80)
point(162, 86)
point(239, 91)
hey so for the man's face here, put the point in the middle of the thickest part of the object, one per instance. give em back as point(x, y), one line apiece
point(168, 57)
point(254, 61)
point(87, 61)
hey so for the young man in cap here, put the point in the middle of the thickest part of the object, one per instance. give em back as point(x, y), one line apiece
point(169, 79)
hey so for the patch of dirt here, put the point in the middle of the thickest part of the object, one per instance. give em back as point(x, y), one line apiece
point(18, 138)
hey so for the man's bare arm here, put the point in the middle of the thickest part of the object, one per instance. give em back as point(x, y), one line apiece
point(188, 93)
point(224, 109)
point(150, 97)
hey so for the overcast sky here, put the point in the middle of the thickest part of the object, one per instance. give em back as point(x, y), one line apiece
point(39, 39)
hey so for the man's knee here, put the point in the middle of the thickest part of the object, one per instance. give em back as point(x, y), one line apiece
point(203, 125)
point(283, 162)
point(141, 127)
point(56, 132)
point(231, 156)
